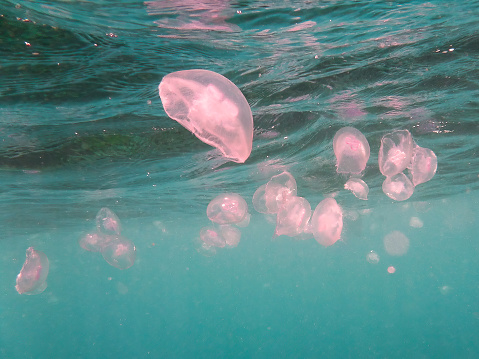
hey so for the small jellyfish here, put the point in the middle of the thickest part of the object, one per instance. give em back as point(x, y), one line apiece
point(423, 166)
point(33, 275)
point(327, 222)
point(396, 243)
point(231, 235)
point(398, 187)
point(278, 189)
point(212, 108)
point(210, 236)
point(293, 217)
point(227, 208)
point(107, 222)
point(391, 270)
point(416, 222)
point(358, 187)
point(119, 252)
point(372, 257)
point(351, 149)
point(395, 152)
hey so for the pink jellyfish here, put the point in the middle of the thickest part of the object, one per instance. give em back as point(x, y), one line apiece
point(107, 222)
point(32, 278)
point(227, 208)
point(327, 222)
point(212, 237)
point(423, 166)
point(358, 187)
point(398, 187)
point(351, 149)
point(293, 217)
point(212, 108)
point(278, 189)
point(395, 152)
point(119, 252)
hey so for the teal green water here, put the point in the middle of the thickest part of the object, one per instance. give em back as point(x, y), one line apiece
point(82, 127)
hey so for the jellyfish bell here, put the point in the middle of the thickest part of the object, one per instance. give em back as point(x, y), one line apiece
point(293, 217)
point(212, 237)
point(395, 152)
point(119, 252)
point(107, 222)
point(398, 187)
point(228, 208)
point(278, 189)
point(231, 235)
point(423, 166)
point(212, 108)
point(358, 187)
point(94, 242)
point(33, 275)
point(396, 243)
point(351, 149)
point(372, 257)
point(327, 222)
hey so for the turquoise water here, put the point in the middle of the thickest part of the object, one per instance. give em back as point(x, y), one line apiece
point(82, 127)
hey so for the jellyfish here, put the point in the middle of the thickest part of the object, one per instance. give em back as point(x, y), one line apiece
point(372, 257)
point(395, 152)
point(227, 208)
point(293, 217)
point(423, 166)
point(210, 236)
point(396, 243)
point(259, 202)
point(212, 108)
point(358, 187)
point(230, 234)
point(351, 149)
point(327, 222)
point(119, 252)
point(107, 222)
point(398, 187)
point(94, 242)
point(33, 275)
point(278, 189)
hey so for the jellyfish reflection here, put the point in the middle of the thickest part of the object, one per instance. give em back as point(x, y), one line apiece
point(33, 275)
point(212, 108)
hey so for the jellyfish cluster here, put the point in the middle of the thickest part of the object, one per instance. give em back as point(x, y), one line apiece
point(117, 250)
point(399, 152)
point(227, 212)
point(32, 278)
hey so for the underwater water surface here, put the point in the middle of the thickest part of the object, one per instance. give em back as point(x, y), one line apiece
point(82, 127)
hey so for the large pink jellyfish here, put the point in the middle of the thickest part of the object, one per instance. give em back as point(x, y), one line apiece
point(423, 166)
point(32, 279)
point(327, 222)
point(351, 149)
point(395, 152)
point(212, 108)
point(227, 208)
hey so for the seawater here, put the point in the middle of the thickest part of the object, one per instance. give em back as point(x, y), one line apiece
point(82, 127)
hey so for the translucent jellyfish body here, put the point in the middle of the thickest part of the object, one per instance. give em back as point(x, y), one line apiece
point(212, 108)
point(398, 187)
point(227, 208)
point(107, 222)
point(33, 275)
point(423, 166)
point(225, 235)
point(351, 149)
point(358, 187)
point(396, 243)
point(94, 242)
point(278, 189)
point(293, 217)
point(119, 252)
point(327, 222)
point(395, 152)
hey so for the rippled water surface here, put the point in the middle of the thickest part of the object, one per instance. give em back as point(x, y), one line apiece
point(82, 127)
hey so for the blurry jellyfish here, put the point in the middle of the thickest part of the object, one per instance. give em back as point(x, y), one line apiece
point(395, 152)
point(259, 202)
point(293, 217)
point(327, 222)
point(391, 270)
point(396, 243)
point(227, 208)
point(231, 235)
point(416, 222)
point(372, 257)
point(358, 187)
point(94, 242)
point(212, 108)
point(398, 187)
point(351, 149)
point(210, 236)
point(33, 275)
point(107, 222)
point(278, 189)
point(423, 166)
point(119, 252)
